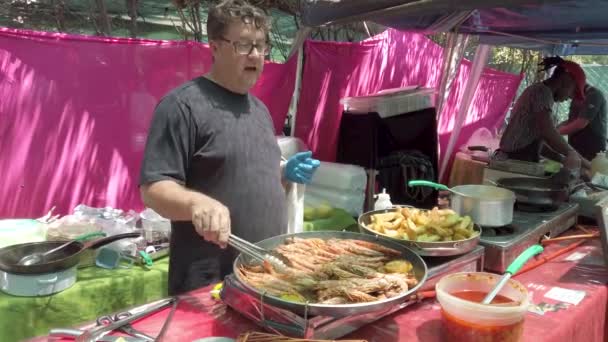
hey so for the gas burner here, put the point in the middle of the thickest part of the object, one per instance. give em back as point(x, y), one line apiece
point(504, 244)
point(497, 231)
point(535, 208)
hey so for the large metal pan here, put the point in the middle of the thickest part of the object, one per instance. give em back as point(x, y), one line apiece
point(419, 270)
point(537, 192)
point(439, 248)
point(488, 206)
point(61, 260)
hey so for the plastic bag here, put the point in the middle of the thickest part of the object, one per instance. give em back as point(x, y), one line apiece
point(294, 192)
point(110, 220)
point(71, 226)
point(157, 229)
point(87, 219)
point(295, 207)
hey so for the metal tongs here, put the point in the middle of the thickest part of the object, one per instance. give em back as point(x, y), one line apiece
point(98, 333)
point(260, 254)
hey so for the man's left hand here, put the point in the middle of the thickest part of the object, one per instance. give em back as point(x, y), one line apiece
point(301, 167)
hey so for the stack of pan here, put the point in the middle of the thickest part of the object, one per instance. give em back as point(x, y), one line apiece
point(540, 193)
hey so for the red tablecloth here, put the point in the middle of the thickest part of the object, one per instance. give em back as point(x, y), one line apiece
point(199, 316)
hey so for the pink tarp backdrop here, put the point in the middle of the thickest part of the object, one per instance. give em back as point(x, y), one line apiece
point(74, 114)
point(390, 60)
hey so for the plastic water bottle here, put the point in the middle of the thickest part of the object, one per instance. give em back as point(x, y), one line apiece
point(383, 201)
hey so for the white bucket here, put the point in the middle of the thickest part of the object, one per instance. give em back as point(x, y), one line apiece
point(470, 321)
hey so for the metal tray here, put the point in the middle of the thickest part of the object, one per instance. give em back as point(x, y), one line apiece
point(313, 309)
point(284, 322)
point(440, 248)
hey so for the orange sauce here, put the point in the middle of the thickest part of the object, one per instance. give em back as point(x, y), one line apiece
point(458, 330)
point(478, 296)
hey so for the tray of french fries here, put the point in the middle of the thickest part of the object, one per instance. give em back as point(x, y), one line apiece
point(435, 232)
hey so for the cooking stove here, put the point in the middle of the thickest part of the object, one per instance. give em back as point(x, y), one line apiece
point(280, 321)
point(504, 244)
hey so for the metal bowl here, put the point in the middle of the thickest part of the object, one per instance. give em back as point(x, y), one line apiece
point(419, 269)
point(439, 248)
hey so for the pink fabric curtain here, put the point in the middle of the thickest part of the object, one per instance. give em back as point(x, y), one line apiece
point(390, 60)
point(74, 114)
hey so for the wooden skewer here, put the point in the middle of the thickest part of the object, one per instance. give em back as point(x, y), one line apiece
point(571, 237)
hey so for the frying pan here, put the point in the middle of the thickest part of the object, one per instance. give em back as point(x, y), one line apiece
point(537, 192)
point(336, 310)
point(60, 260)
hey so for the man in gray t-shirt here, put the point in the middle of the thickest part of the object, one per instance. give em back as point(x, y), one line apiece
point(212, 164)
point(523, 131)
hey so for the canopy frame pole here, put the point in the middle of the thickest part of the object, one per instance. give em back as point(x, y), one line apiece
point(482, 55)
point(298, 47)
point(422, 7)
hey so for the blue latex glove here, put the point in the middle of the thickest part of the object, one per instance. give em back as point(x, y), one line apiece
point(300, 168)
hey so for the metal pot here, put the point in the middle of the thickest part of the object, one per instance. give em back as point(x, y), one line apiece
point(33, 285)
point(488, 206)
point(439, 248)
point(542, 193)
point(60, 260)
point(419, 270)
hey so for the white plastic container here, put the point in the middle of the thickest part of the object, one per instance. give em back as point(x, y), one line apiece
point(15, 231)
point(340, 177)
point(351, 202)
point(392, 102)
point(465, 320)
point(383, 201)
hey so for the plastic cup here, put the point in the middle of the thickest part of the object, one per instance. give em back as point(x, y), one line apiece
point(111, 259)
point(464, 320)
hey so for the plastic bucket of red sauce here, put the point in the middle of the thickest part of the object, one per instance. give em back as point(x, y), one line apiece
point(465, 319)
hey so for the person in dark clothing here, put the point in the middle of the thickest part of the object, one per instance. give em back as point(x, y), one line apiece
point(531, 127)
point(586, 126)
point(212, 164)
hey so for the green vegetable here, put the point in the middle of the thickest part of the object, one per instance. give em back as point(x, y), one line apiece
point(293, 297)
point(398, 266)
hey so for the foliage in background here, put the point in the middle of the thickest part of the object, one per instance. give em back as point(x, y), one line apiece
point(162, 19)
point(186, 20)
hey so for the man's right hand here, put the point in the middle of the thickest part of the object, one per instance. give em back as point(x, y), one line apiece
point(211, 220)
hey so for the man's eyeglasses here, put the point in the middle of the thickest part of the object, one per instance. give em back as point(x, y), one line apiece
point(246, 49)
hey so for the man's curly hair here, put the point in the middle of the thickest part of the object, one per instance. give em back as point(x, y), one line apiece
point(226, 11)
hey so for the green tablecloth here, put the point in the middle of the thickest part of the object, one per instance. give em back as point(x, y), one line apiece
point(96, 292)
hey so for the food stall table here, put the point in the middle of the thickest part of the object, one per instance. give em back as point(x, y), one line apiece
point(198, 315)
point(96, 292)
